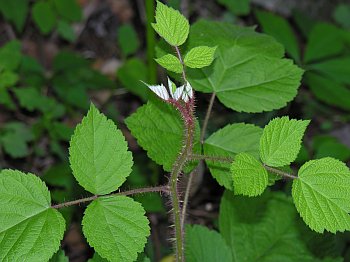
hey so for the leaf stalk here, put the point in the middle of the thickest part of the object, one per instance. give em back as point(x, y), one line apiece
point(164, 189)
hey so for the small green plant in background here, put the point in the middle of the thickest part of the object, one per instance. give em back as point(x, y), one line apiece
point(23, 84)
point(247, 72)
point(326, 59)
point(47, 15)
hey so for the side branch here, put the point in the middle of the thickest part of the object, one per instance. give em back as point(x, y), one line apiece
point(230, 160)
point(125, 193)
point(211, 158)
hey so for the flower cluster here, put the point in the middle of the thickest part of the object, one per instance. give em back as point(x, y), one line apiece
point(183, 92)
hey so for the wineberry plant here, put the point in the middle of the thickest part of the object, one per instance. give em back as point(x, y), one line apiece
point(247, 72)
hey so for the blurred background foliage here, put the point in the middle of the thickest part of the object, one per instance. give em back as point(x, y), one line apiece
point(58, 55)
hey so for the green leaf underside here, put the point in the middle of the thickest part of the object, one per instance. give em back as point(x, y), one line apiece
point(171, 63)
point(99, 154)
point(250, 178)
point(261, 229)
point(171, 25)
point(258, 79)
point(30, 229)
point(158, 128)
point(321, 195)
point(281, 141)
point(205, 245)
point(116, 227)
point(279, 28)
point(227, 142)
point(200, 56)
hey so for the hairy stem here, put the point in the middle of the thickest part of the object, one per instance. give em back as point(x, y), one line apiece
point(207, 116)
point(187, 112)
point(212, 158)
point(125, 193)
point(174, 194)
point(230, 160)
point(189, 182)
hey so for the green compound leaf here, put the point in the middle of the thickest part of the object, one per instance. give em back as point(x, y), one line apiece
point(171, 25)
point(319, 47)
point(97, 258)
point(237, 7)
point(116, 227)
point(258, 79)
point(15, 11)
point(8, 79)
point(66, 31)
point(329, 146)
point(10, 56)
point(130, 73)
point(158, 128)
point(262, 229)
point(200, 56)
point(281, 141)
point(227, 142)
point(205, 245)
point(29, 98)
point(30, 230)
point(99, 154)
point(60, 256)
point(171, 63)
point(250, 178)
point(128, 39)
point(68, 9)
point(279, 28)
point(328, 91)
point(44, 16)
point(321, 195)
point(336, 69)
point(14, 139)
point(341, 15)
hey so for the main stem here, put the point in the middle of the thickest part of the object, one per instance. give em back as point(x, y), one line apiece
point(190, 178)
point(187, 112)
point(174, 193)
